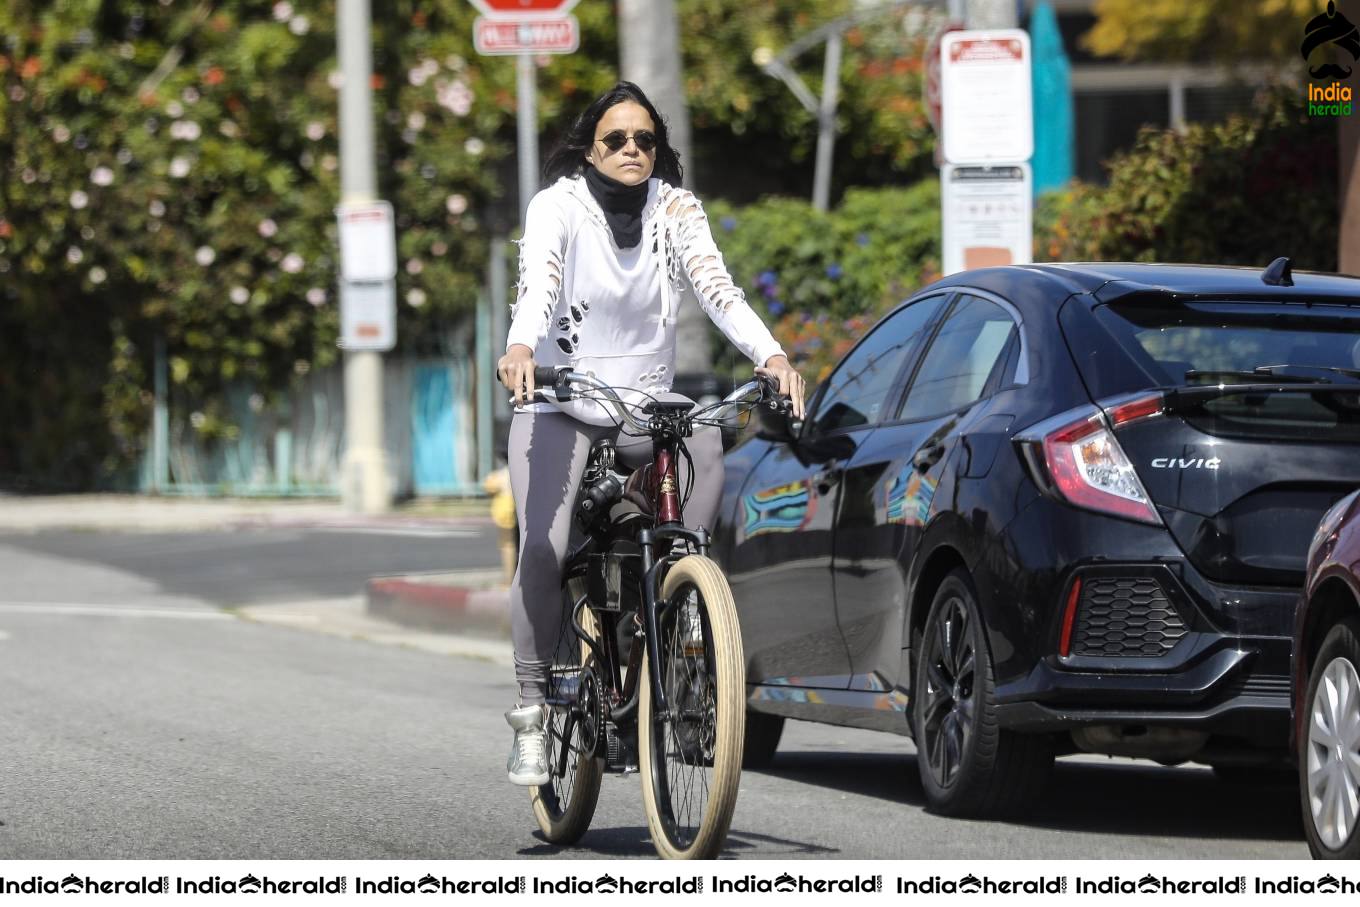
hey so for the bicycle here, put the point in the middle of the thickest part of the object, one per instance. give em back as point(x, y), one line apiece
point(649, 674)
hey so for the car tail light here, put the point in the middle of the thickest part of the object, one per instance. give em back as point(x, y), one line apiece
point(1145, 407)
point(1089, 468)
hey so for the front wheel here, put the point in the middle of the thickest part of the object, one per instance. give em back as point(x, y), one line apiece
point(690, 753)
point(969, 765)
point(1329, 747)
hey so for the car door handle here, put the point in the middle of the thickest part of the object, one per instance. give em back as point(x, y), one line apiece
point(927, 457)
point(829, 475)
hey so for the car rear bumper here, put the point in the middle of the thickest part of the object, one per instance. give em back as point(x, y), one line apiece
point(1235, 687)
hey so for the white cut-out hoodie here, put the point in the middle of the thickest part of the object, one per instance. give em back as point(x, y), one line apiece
point(586, 304)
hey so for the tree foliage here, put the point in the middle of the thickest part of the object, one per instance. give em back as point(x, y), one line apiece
point(1240, 192)
point(169, 170)
point(1222, 30)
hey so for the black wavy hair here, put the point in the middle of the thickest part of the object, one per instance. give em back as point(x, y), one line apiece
point(568, 158)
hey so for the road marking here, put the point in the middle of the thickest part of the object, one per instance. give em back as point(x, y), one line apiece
point(89, 610)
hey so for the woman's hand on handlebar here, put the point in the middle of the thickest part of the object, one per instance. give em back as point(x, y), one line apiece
point(778, 369)
point(516, 371)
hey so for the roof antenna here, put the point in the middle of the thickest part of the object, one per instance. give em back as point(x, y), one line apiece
point(1279, 273)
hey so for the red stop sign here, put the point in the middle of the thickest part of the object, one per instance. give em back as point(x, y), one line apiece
point(523, 9)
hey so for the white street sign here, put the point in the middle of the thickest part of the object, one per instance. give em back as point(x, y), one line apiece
point(368, 315)
point(504, 37)
point(368, 241)
point(987, 103)
point(987, 216)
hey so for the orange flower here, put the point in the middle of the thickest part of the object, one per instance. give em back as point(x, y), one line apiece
point(419, 19)
point(6, 231)
point(214, 76)
point(377, 81)
point(30, 68)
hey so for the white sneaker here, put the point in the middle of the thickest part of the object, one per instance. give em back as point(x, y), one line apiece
point(528, 763)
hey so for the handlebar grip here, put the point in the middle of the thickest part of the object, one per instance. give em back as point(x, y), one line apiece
point(546, 375)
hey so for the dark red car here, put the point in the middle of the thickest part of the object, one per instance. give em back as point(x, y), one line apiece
point(1327, 685)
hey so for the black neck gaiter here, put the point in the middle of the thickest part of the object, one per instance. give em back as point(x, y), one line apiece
point(622, 206)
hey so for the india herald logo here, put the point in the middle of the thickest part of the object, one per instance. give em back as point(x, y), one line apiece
point(1330, 28)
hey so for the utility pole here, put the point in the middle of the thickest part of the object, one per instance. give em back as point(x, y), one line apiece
point(649, 56)
point(364, 484)
point(992, 14)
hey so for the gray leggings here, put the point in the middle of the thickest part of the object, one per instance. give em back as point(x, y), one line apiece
point(547, 455)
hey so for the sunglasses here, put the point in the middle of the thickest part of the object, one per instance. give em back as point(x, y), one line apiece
point(645, 141)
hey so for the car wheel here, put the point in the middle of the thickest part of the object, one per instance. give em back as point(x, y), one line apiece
point(969, 765)
point(1265, 775)
point(762, 738)
point(1329, 746)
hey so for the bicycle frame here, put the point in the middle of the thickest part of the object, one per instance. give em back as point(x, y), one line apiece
point(666, 425)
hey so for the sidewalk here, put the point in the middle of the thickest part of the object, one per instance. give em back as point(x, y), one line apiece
point(463, 612)
point(148, 513)
point(351, 619)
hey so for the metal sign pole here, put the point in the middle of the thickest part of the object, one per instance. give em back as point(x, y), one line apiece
point(528, 132)
point(364, 486)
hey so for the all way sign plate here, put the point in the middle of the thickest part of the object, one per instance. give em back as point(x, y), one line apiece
point(495, 37)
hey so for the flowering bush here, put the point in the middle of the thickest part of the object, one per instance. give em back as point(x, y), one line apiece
point(169, 169)
point(823, 279)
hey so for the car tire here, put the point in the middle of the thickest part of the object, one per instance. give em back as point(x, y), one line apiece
point(762, 739)
point(969, 765)
point(1267, 775)
point(1327, 776)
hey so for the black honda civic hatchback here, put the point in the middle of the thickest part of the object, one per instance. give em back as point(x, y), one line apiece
point(1049, 509)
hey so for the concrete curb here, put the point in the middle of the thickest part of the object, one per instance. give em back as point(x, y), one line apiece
point(468, 602)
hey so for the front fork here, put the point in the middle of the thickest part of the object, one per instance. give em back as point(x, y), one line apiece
point(654, 577)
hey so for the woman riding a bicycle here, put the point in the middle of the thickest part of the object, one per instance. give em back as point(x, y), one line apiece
point(606, 248)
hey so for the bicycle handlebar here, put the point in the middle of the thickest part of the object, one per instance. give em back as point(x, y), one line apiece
point(552, 383)
point(546, 375)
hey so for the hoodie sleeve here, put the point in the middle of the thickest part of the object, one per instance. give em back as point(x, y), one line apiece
point(542, 252)
point(721, 299)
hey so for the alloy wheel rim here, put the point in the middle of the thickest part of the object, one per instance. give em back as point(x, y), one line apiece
point(1334, 754)
point(950, 703)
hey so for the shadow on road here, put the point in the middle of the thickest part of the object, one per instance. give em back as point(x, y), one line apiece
point(1118, 798)
point(636, 841)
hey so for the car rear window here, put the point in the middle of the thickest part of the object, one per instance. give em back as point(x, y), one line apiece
point(1179, 345)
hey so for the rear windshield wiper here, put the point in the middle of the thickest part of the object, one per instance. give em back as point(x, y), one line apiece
point(1196, 377)
point(1192, 395)
point(1306, 374)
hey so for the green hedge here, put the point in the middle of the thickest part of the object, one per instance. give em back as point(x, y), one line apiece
point(821, 278)
point(1240, 192)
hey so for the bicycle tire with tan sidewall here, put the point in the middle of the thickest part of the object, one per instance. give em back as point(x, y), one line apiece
point(566, 826)
point(729, 666)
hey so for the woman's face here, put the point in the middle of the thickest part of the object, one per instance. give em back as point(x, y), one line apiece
point(629, 164)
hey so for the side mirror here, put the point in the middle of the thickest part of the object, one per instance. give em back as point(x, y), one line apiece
point(774, 424)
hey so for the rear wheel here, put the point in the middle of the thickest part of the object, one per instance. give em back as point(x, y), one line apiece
point(969, 765)
point(690, 753)
point(566, 804)
point(1268, 774)
point(1329, 747)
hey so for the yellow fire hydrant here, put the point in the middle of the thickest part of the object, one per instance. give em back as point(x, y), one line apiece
point(497, 484)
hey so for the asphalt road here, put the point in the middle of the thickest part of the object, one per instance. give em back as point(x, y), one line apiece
point(139, 720)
